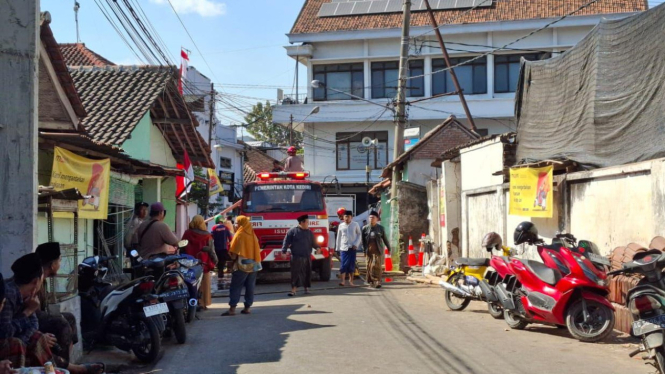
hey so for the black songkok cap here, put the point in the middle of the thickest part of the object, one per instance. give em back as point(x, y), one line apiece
point(374, 213)
point(348, 213)
point(27, 268)
point(302, 218)
point(48, 252)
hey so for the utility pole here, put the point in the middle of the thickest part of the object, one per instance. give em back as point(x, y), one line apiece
point(400, 121)
point(291, 130)
point(76, 19)
point(451, 71)
point(19, 72)
point(211, 123)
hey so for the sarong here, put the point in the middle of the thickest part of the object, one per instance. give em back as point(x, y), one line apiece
point(13, 349)
point(374, 265)
point(301, 272)
point(38, 353)
point(348, 261)
point(63, 326)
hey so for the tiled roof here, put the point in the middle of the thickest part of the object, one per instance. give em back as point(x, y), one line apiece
point(256, 162)
point(77, 54)
point(449, 134)
point(60, 67)
point(308, 20)
point(117, 97)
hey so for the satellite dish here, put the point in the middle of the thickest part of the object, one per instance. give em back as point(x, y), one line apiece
point(367, 141)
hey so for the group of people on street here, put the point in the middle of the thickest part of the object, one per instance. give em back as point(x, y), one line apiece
point(31, 334)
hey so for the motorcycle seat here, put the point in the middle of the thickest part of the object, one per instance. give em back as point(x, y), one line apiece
point(547, 275)
point(473, 261)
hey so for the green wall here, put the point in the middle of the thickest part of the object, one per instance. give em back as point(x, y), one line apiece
point(136, 145)
point(167, 197)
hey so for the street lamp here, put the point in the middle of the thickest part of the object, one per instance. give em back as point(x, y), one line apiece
point(319, 84)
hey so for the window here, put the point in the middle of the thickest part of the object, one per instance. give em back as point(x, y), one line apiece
point(225, 163)
point(280, 197)
point(385, 79)
point(351, 155)
point(472, 76)
point(507, 71)
point(347, 78)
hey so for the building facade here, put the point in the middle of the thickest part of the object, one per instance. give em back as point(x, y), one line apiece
point(357, 55)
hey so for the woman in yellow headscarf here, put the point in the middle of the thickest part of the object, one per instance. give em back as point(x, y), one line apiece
point(246, 252)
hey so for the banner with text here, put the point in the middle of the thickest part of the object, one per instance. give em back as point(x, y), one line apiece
point(91, 177)
point(531, 192)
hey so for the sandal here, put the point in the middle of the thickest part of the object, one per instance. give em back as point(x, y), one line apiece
point(227, 313)
point(95, 368)
point(245, 311)
point(342, 284)
point(291, 294)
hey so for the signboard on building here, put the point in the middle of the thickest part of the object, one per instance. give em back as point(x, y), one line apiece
point(215, 184)
point(411, 137)
point(531, 192)
point(90, 177)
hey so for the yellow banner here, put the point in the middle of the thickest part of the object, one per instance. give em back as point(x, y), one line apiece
point(91, 177)
point(215, 184)
point(531, 192)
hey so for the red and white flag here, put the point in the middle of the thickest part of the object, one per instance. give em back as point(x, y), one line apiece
point(184, 184)
point(183, 69)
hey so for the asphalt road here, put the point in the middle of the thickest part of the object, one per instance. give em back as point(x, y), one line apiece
point(402, 328)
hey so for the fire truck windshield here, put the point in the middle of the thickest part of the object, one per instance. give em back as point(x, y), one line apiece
point(283, 197)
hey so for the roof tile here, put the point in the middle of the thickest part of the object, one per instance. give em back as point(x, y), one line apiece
point(77, 54)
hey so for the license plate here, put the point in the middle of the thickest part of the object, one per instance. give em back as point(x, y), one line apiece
point(280, 265)
point(599, 259)
point(153, 310)
point(174, 295)
point(645, 326)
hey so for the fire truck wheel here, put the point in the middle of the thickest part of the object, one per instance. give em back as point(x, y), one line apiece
point(325, 269)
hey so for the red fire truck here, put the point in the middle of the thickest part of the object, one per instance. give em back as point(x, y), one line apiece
point(273, 203)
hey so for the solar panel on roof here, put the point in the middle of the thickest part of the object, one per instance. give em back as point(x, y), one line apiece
point(338, 8)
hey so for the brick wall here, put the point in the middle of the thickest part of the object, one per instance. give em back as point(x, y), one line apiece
point(450, 137)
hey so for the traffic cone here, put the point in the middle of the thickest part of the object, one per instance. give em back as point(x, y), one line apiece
point(388, 260)
point(412, 254)
point(421, 252)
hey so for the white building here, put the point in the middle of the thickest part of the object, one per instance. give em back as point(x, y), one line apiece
point(353, 46)
point(226, 152)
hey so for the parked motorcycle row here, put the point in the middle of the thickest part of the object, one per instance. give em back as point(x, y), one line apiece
point(136, 315)
point(568, 289)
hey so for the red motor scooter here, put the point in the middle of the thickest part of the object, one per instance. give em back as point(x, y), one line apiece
point(570, 290)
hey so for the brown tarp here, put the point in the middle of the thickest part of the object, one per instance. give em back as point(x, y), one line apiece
point(601, 103)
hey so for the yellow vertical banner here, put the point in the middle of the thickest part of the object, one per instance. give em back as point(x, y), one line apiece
point(90, 177)
point(215, 184)
point(531, 192)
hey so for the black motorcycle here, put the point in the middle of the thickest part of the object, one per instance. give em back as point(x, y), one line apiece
point(127, 316)
point(646, 303)
point(170, 288)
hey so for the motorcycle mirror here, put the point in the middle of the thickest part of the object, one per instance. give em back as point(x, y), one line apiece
point(183, 243)
point(134, 253)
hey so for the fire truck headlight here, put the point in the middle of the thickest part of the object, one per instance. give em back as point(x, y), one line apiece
point(319, 239)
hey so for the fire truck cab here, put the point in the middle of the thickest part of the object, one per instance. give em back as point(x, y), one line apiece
point(273, 203)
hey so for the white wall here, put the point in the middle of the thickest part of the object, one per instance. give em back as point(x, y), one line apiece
point(421, 171)
point(480, 162)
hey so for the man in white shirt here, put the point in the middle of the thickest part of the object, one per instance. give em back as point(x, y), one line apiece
point(349, 238)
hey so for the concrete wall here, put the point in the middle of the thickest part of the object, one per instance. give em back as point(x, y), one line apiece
point(421, 172)
point(480, 162)
point(412, 212)
point(450, 185)
point(611, 207)
point(156, 189)
point(136, 145)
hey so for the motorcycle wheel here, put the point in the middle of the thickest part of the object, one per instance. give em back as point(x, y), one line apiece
point(660, 359)
point(326, 269)
point(599, 329)
point(495, 310)
point(454, 301)
point(148, 348)
point(178, 324)
point(515, 322)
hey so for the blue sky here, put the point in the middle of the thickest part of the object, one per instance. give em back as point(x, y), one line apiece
point(242, 40)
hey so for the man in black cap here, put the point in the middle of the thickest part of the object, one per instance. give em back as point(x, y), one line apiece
point(12, 351)
point(374, 238)
point(62, 325)
point(300, 240)
point(18, 319)
point(140, 214)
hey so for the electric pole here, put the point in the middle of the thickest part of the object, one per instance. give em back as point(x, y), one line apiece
point(451, 71)
point(211, 123)
point(291, 130)
point(400, 121)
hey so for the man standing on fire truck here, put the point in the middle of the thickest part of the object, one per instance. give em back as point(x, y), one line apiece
point(300, 240)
